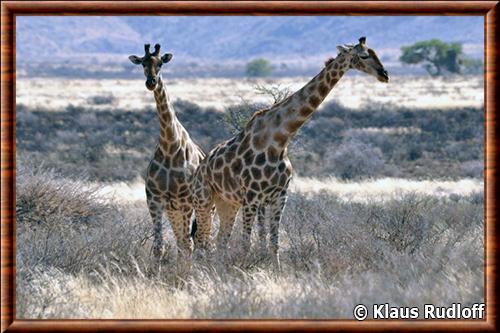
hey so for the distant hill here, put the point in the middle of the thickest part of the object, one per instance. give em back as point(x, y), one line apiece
point(74, 40)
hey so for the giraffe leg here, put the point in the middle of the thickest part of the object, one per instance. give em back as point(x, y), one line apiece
point(261, 228)
point(204, 219)
point(203, 206)
point(276, 209)
point(180, 221)
point(227, 214)
point(156, 211)
point(248, 215)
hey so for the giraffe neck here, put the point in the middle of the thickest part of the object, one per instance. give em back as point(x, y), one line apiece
point(170, 130)
point(291, 114)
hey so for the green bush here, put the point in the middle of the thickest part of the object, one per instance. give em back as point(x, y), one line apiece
point(258, 68)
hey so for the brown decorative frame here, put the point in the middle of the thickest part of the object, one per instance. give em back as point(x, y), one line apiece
point(10, 9)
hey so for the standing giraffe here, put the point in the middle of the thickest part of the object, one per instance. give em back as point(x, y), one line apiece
point(174, 161)
point(252, 170)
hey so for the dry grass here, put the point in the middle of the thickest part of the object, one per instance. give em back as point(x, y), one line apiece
point(83, 248)
point(363, 191)
point(81, 256)
point(219, 93)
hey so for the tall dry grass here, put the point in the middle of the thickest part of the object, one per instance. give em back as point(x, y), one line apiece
point(81, 256)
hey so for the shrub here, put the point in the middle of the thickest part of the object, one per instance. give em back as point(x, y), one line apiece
point(354, 159)
point(43, 199)
point(69, 226)
point(334, 254)
point(258, 68)
point(473, 168)
point(102, 100)
point(112, 144)
point(237, 116)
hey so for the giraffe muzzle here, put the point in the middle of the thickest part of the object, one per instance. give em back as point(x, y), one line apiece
point(151, 83)
point(383, 76)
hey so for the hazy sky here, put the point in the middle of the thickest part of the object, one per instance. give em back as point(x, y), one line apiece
point(236, 37)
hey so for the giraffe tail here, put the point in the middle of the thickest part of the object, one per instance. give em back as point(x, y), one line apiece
point(194, 226)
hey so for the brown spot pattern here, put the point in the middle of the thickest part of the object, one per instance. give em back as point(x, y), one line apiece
point(293, 125)
point(272, 154)
point(305, 111)
point(245, 144)
point(260, 140)
point(314, 101)
point(323, 89)
point(268, 171)
point(237, 166)
point(280, 138)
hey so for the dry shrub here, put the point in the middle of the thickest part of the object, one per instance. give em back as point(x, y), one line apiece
point(80, 257)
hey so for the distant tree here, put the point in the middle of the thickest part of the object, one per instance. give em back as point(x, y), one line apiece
point(436, 56)
point(258, 68)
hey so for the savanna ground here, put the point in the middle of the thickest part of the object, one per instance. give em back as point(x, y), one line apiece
point(386, 205)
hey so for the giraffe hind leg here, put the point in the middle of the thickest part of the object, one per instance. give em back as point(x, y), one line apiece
point(203, 207)
point(204, 219)
point(227, 214)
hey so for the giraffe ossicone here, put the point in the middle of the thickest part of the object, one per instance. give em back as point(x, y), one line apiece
point(251, 171)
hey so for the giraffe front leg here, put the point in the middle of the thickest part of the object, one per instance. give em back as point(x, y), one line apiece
point(156, 211)
point(276, 210)
point(261, 229)
point(249, 211)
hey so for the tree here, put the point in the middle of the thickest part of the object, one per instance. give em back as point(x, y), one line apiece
point(258, 67)
point(436, 55)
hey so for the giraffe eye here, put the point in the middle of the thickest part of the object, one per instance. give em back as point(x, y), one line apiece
point(364, 57)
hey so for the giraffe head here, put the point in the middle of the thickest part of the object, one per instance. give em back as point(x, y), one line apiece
point(365, 59)
point(151, 62)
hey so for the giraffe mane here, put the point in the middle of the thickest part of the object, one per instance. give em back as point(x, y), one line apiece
point(255, 115)
point(263, 111)
point(329, 61)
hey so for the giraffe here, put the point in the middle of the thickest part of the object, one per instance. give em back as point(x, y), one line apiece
point(252, 171)
point(174, 161)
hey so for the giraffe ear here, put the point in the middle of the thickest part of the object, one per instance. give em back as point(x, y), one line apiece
point(135, 59)
point(342, 49)
point(166, 57)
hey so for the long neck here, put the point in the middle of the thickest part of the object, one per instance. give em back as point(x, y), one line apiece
point(287, 117)
point(170, 128)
